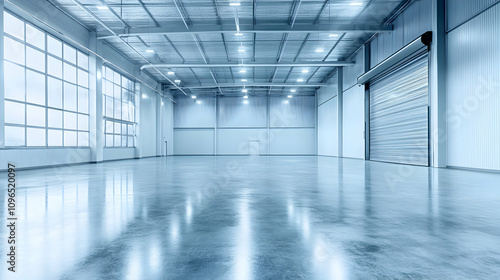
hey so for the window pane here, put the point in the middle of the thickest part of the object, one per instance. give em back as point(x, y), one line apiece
point(36, 137)
point(70, 138)
point(109, 89)
point(124, 128)
point(69, 121)
point(55, 118)
point(109, 107)
point(109, 140)
point(117, 109)
point(117, 142)
point(69, 73)
point(13, 50)
point(69, 54)
point(131, 129)
point(14, 112)
point(55, 138)
point(109, 74)
point(54, 46)
point(131, 141)
point(109, 127)
point(83, 78)
point(35, 37)
point(14, 136)
point(125, 111)
point(118, 127)
point(83, 100)
point(117, 92)
point(35, 87)
point(35, 115)
point(14, 81)
point(124, 141)
point(69, 97)
point(83, 60)
point(35, 59)
point(13, 26)
point(83, 122)
point(117, 78)
point(55, 92)
point(83, 139)
point(54, 66)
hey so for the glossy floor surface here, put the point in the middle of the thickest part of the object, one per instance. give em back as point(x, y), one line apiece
point(254, 218)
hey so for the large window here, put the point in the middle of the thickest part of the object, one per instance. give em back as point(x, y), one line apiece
point(119, 109)
point(46, 89)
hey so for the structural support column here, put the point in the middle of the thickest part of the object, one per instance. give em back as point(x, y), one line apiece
point(437, 79)
point(2, 95)
point(159, 125)
point(96, 102)
point(340, 119)
point(367, 102)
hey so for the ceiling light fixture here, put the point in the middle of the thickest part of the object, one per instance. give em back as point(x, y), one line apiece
point(243, 71)
point(239, 34)
point(318, 50)
point(102, 8)
point(244, 80)
point(170, 72)
point(333, 35)
point(234, 4)
point(245, 96)
point(356, 4)
point(289, 96)
point(150, 51)
point(300, 80)
point(241, 50)
point(305, 71)
point(293, 90)
point(177, 81)
point(193, 96)
point(245, 90)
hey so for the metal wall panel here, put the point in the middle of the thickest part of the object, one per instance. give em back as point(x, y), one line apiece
point(236, 141)
point(292, 141)
point(459, 11)
point(194, 141)
point(327, 128)
point(353, 128)
point(147, 122)
point(190, 113)
point(298, 111)
point(473, 87)
point(240, 112)
point(327, 93)
point(399, 125)
point(351, 73)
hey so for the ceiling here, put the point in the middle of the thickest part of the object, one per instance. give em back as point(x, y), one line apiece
point(213, 47)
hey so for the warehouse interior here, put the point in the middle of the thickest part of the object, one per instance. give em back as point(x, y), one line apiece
point(250, 139)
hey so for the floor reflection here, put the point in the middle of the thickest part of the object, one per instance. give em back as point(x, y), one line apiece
point(264, 218)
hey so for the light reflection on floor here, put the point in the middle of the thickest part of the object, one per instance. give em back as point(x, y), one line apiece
point(255, 218)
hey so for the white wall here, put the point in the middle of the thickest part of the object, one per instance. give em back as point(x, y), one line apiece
point(328, 121)
point(282, 126)
point(147, 138)
point(473, 85)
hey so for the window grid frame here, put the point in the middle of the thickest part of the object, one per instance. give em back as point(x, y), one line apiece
point(46, 75)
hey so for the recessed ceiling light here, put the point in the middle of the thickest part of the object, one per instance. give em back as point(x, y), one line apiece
point(245, 90)
point(102, 7)
point(244, 80)
point(246, 96)
point(305, 71)
point(300, 80)
point(177, 81)
point(150, 51)
point(170, 72)
point(239, 34)
point(356, 4)
point(289, 96)
point(319, 50)
point(333, 35)
point(241, 50)
point(243, 71)
point(293, 90)
point(234, 4)
point(193, 96)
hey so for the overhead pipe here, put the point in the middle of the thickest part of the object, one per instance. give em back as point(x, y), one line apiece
point(423, 41)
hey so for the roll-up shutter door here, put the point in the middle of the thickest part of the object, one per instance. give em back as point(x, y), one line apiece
point(399, 119)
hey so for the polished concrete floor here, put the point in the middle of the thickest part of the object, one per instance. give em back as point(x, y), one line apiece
point(254, 218)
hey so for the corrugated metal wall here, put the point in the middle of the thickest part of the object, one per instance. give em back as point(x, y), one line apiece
point(473, 86)
point(413, 22)
point(459, 11)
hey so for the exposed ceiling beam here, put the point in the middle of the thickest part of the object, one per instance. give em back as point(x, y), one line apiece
point(255, 85)
point(280, 64)
point(249, 28)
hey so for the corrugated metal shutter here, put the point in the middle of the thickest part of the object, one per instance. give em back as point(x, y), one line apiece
point(399, 126)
